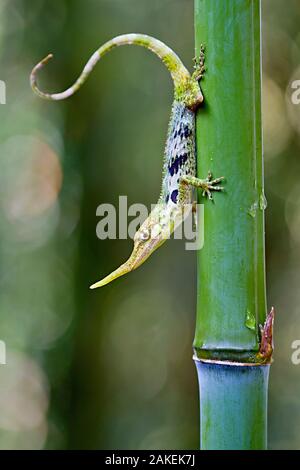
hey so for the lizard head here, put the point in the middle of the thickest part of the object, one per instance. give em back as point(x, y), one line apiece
point(154, 231)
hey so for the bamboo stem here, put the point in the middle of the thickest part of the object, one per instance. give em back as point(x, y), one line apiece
point(231, 302)
point(233, 406)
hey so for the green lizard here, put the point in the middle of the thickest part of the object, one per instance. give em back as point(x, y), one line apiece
point(179, 170)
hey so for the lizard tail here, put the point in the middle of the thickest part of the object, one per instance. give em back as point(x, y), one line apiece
point(176, 68)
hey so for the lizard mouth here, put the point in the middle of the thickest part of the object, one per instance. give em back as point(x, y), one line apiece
point(138, 256)
point(123, 269)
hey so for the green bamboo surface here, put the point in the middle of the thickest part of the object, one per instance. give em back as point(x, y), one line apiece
point(231, 283)
point(231, 302)
point(233, 410)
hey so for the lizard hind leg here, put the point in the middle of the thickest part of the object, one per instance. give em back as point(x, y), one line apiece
point(199, 67)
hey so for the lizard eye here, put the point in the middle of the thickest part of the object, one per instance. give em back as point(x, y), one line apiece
point(144, 235)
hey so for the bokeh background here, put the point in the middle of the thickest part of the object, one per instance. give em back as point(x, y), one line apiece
point(112, 368)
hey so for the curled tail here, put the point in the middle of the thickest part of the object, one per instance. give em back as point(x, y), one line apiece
point(179, 73)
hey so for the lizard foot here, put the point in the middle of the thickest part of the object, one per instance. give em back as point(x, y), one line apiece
point(210, 184)
point(199, 65)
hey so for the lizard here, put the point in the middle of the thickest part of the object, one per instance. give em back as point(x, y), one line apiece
point(179, 167)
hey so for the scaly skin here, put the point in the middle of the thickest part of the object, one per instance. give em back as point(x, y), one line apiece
point(179, 171)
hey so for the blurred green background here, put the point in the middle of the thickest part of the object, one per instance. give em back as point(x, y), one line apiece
point(112, 368)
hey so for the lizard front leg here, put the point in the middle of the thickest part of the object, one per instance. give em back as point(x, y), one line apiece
point(208, 185)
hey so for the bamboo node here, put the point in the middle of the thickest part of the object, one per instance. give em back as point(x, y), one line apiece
point(266, 344)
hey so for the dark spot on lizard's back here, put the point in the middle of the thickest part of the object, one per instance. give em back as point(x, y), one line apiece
point(187, 131)
point(167, 198)
point(173, 168)
point(177, 163)
point(184, 158)
point(174, 196)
